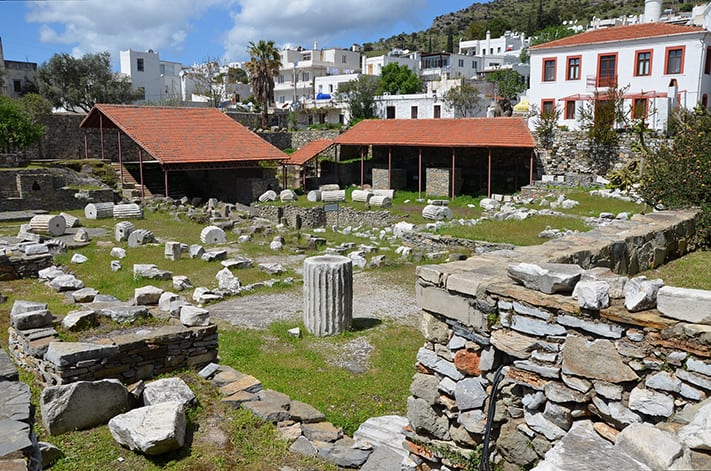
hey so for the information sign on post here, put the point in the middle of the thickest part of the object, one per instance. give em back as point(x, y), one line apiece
point(331, 207)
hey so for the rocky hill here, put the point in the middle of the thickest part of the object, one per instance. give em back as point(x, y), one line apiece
point(498, 16)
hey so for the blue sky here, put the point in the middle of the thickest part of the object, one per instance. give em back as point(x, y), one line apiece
point(190, 31)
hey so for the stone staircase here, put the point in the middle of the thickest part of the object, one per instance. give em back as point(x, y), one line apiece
point(130, 187)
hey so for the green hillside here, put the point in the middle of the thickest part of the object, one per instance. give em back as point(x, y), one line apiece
point(499, 16)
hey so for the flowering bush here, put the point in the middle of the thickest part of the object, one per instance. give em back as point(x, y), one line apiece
point(679, 176)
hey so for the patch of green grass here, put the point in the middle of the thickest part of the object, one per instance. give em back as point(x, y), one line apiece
point(592, 206)
point(300, 368)
point(514, 232)
point(690, 271)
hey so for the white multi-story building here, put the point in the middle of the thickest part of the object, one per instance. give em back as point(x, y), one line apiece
point(508, 44)
point(159, 79)
point(18, 77)
point(300, 67)
point(665, 66)
point(374, 65)
point(663, 61)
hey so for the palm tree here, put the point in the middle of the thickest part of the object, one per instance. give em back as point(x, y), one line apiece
point(264, 64)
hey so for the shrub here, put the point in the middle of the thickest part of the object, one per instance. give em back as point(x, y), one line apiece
point(679, 176)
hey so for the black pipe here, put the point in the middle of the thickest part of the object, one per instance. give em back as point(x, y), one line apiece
point(484, 458)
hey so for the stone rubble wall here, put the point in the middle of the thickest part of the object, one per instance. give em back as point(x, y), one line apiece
point(309, 218)
point(570, 153)
point(562, 365)
point(15, 267)
point(130, 356)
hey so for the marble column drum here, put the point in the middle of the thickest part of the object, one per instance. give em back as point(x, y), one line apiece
point(328, 294)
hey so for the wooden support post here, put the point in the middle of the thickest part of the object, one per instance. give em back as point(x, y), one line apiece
point(101, 131)
point(390, 167)
point(419, 173)
point(530, 169)
point(362, 168)
point(488, 185)
point(118, 138)
point(140, 169)
point(454, 160)
point(86, 146)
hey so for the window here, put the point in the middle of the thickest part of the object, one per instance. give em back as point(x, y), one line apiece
point(438, 111)
point(547, 106)
point(707, 63)
point(344, 60)
point(549, 70)
point(17, 86)
point(498, 50)
point(569, 109)
point(139, 64)
point(573, 70)
point(330, 88)
point(281, 99)
point(474, 65)
point(461, 62)
point(280, 79)
point(305, 77)
point(607, 70)
point(390, 112)
point(413, 112)
point(705, 100)
point(674, 60)
point(639, 108)
point(643, 63)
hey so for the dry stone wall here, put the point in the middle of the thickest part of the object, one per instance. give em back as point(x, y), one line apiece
point(560, 364)
point(307, 218)
point(125, 355)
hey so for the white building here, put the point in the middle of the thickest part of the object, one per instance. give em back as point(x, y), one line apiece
point(374, 65)
point(159, 80)
point(17, 76)
point(300, 67)
point(665, 66)
point(508, 44)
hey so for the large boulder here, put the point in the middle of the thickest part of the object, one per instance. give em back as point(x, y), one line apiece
point(152, 430)
point(168, 390)
point(82, 405)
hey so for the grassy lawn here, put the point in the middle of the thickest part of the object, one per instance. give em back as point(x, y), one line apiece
point(691, 271)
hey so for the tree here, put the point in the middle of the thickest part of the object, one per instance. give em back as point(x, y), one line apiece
point(450, 41)
point(19, 122)
point(600, 116)
point(398, 79)
point(359, 95)
point(464, 99)
point(208, 81)
point(508, 84)
point(263, 65)
point(79, 83)
point(679, 175)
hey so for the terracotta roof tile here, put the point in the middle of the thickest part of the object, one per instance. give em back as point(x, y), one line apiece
point(309, 151)
point(175, 135)
point(467, 132)
point(621, 33)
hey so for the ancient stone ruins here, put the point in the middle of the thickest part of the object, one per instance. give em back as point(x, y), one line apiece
point(556, 356)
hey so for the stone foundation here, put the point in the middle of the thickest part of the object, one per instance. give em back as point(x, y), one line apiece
point(309, 218)
point(128, 356)
point(560, 364)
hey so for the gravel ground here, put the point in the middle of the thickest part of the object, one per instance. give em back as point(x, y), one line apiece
point(372, 301)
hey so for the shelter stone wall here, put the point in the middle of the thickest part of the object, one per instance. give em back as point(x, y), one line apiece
point(562, 363)
point(570, 153)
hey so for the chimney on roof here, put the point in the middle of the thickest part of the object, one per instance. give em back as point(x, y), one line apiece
point(652, 11)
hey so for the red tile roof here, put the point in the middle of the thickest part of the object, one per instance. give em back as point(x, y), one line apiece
point(467, 132)
point(309, 151)
point(175, 135)
point(621, 33)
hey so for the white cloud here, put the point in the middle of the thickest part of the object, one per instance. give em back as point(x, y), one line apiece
point(100, 25)
point(302, 22)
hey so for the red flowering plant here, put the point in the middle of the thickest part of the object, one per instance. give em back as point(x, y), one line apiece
point(679, 175)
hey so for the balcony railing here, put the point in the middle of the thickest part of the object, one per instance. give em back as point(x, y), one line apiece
point(594, 81)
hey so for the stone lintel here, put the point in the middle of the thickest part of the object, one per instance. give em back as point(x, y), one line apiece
point(441, 302)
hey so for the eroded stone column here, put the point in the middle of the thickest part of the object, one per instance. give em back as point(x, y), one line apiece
point(328, 294)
